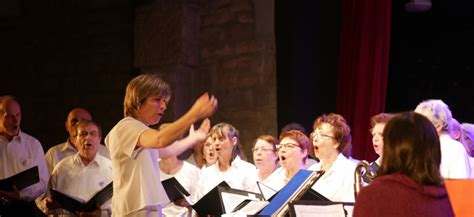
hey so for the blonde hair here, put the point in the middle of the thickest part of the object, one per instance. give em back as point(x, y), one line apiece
point(139, 89)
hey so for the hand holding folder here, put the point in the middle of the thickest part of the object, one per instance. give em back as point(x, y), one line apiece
point(211, 204)
point(21, 180)
point(224, 199)
point(174, 189)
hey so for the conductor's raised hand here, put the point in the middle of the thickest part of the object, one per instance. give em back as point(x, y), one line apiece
point(201, 133)
point(204, 106)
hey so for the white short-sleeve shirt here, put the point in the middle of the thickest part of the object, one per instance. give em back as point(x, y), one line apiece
point(188, 177)
point(241, 175)
point(336, 184)
point(135, 172)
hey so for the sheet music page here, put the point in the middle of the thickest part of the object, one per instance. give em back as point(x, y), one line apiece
point(336, 210)
point(231, 200)
point(349, 209)
point(253, 207)
point(266, 191)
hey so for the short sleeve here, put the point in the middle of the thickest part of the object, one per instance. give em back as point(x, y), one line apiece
point(124, 137)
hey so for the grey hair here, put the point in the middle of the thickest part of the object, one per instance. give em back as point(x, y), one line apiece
point(437, 112)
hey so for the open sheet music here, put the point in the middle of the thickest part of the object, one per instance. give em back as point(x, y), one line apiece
point(211, 203)
point(266, 191)
point(314, 208)
point(74, 204)
point(235, 199)
point(299, 187)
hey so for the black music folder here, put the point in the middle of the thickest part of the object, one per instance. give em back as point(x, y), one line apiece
point(20, 180)
point(224, 199)
point(211, 203)
point(76, 205)
point(174, 189)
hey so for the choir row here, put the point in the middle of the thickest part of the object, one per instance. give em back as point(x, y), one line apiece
point(138, 157)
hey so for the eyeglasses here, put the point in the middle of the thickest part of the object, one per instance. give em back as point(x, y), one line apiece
point(286, 146)
point(91, 133)
point(318, 136)
point(262, 149)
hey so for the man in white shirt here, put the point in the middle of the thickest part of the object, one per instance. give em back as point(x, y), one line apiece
point(83, 174)
point(68, 148)
point(454, 159)
point(18, 152)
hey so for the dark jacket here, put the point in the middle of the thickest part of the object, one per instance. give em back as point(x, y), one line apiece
point(399, 195)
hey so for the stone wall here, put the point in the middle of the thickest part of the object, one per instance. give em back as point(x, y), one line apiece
point(225, 47)
point(237, 62)
point(57, 55)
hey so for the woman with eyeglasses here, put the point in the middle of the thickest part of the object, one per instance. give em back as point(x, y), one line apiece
point(331, 136)
point(265, 158)
point(293, 151)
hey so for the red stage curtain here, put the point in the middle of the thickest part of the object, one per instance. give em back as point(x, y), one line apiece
point(363, 68)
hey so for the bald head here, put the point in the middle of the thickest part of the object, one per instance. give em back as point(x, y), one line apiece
point(75, 116)
point(10, 117)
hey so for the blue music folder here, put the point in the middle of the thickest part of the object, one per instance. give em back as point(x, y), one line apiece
point(297, 187)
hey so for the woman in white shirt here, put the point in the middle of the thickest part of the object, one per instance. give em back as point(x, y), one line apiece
point(293, 151)
point(187, 175)
point(265, 158)
point(229, 167)
point(133, 144)
point(331, 135)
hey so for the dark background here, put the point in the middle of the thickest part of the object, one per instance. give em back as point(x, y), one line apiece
point(431, 56)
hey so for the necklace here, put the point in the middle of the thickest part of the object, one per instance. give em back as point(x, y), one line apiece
point(171, 169)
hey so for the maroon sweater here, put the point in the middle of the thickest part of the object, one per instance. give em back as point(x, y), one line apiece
point(399, 195)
